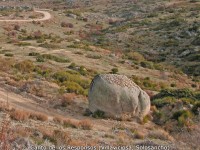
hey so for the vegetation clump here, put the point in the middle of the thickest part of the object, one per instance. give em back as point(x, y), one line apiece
point(98, 114)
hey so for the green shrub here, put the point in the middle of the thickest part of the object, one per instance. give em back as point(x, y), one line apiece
point(114, 70)
point(173, 84)
point(171, 43)
point(183, 117)
point(163, 101)
point(149, 84)
point(177, 93)
point(194, 57)
point(62, 76)
point(146, 119)
point(33, 54)
point(147, 64)
point(40, 40)
point(47, 45)
point(40, 59)
point(82, 70)
point(135, 56)
point(196, 41)
point(45, 72)
point(23, 44)
point(73, 87)
point(179, 113)
point(98, 114)
point(196, 108)
point(187, 101)
point(9, 54)
point(72, 82)
point(25, 66)
point(94, 56)
point(72, 66)
point(55, 58)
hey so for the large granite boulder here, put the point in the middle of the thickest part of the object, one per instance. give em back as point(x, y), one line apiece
point(117, 96)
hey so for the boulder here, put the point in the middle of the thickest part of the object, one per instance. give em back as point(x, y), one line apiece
point(117, 96)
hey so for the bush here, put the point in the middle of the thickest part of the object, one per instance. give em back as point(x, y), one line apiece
point(73, 87)
point(39, 116)
point(196, 41)
point(20, 115)
point(146, 119)
point(16, 27)
point(194, 57)
point(85, 124)
point(149, 84)
point(69, 123)
point(159, 134)
point(58, 120)
point(41, 58)
point(68, 25)
point(60, 137)
point(147, 64)
point(177, 93)
point(72, 82)
point(25, 66)
point(94, 56)
point(82, 70)
point(72, 66)
point(173, 84)
point(47, 45)
point(23, 44)
point(33, 54)
point(55, 58)
point(163, 101)
point(135, 56)
point(67, 99)
point(9, 54)
point(146, 83)
point(114, 70)
point(98, 114)
point(196, 108)
point(183, 117)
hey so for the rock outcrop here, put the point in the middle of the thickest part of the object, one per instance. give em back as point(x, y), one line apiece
point(116, 96)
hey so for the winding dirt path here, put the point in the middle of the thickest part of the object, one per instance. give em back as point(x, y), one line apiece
point(46, 15)
point(19, 102)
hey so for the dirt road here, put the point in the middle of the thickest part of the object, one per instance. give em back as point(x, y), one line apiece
point(46, 16)
point(19, 102)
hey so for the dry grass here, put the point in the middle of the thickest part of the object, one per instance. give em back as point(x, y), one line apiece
point(20, 115)
point(85, 124)
point(83, 142)
point(71, 123)
point(160, 134)
point(61, 137)
point(67, 99)
point(139, 135)
point(39, 116)
point(45, 131)
point(58, 120)
point(23, 131)
point(77, 142)
point(5, 134)
point(5, 107)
